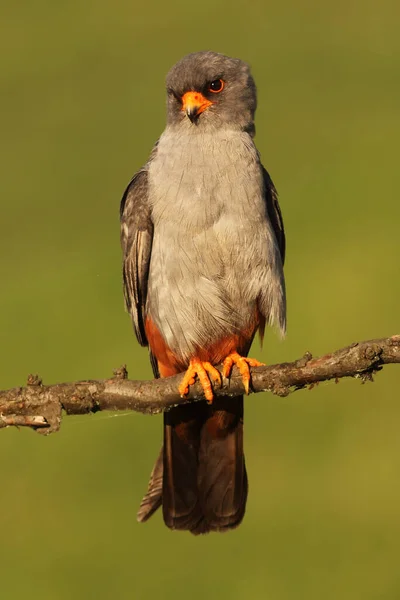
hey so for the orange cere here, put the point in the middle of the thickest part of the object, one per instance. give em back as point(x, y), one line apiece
point(195, 100)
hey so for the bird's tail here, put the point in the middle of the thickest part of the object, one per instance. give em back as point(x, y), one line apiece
point(200, 475)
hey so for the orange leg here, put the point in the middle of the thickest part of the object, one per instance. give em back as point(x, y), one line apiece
point(205, 372)
point(243, 364)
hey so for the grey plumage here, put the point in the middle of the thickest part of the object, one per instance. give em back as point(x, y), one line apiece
point(204, 245)
point(234, 109)
point(136, 240)
point(210, 212)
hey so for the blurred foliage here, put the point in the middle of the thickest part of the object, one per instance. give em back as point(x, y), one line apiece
point(82, 103)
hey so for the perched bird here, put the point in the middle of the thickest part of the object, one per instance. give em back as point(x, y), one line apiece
point(203, 251)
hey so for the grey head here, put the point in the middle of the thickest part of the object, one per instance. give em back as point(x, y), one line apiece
point(207, 90)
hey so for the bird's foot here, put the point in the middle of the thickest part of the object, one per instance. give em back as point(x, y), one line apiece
point(243, 364)
point(205, 371)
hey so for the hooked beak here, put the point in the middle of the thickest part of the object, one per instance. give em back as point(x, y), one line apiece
point(194, 103)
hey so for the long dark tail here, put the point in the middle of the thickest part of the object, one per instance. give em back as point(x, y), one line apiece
point(222, 477)
point(203, 486)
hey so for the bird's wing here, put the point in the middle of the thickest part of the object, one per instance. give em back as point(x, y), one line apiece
point(274, 213)
point(136, 241)
point(272, 300)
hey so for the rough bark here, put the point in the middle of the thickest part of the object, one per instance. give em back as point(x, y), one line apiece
point(40, 406)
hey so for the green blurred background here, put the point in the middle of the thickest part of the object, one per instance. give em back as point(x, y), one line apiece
point(82, 103)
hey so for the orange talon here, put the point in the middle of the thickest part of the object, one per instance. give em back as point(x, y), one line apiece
point(243, 364)
point(205, 371)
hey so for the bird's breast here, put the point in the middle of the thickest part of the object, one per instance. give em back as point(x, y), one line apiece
point(195, 180)
point(209, 238)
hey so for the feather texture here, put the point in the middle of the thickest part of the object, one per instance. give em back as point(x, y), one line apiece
point(203, 251)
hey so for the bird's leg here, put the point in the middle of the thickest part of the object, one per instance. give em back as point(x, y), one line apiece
point(243, 364)
point(205, 372)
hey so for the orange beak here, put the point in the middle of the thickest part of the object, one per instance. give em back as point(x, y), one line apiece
point(194, 103)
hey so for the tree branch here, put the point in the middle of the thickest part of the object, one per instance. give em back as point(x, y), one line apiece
point(40, 406)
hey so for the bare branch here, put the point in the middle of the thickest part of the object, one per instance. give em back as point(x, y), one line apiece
point(40, 407)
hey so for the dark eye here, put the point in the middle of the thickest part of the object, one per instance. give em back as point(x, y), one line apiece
point(171, 92)
point(216, 86)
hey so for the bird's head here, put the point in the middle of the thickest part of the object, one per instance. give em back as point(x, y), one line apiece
point(209, 90)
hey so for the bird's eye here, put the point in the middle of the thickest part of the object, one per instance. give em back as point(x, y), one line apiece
point(171, 93)
point(216, 86)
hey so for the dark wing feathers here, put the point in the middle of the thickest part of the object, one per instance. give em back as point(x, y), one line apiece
point(136, 241)
point(274, 213)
